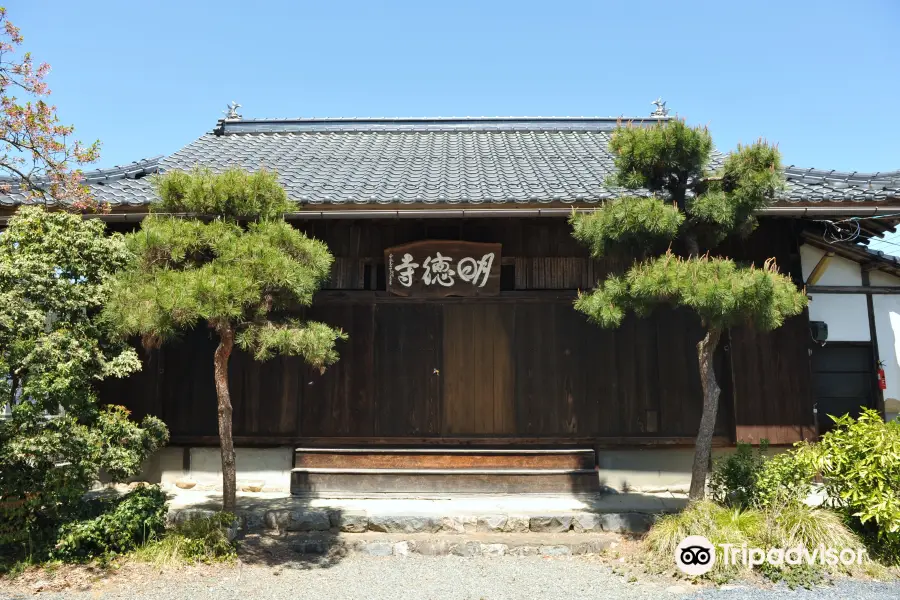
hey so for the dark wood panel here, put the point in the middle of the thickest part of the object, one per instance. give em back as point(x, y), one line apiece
point(440, 442)
point(478, 373)
point(408, 348)
point(772, 383)
point(537, 370)
point(340, 401)
point(449, 458)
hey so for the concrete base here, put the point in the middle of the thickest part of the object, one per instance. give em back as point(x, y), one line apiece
point(647, 470)
point(268, 467)
point(279, 512)
point(385, 544)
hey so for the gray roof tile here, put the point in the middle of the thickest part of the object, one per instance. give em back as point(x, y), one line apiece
point(435, 161)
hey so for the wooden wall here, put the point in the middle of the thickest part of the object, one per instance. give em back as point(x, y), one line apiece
point(523, 367)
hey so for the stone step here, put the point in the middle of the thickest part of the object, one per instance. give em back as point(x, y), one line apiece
point(384, 544)
point(309, 520)
point(321, 482)
point(443, 458)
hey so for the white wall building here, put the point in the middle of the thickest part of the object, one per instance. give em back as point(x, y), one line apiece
point(827, 268)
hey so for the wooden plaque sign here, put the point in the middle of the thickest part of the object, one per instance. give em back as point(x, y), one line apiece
point(439, 268)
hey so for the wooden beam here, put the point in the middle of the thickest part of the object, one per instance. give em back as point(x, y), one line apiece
point(400, 442)
point(873, 336)
point(819, 269)
point(852, 289)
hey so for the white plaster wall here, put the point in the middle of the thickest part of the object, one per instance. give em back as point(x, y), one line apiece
point(271, 466)
point(846, 314)
point(840, 271)
point(887, 330)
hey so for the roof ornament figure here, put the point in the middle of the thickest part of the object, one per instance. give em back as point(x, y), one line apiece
point(232, 113)
point(661, 110)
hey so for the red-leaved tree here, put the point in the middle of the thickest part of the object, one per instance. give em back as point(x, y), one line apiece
point(37, 156)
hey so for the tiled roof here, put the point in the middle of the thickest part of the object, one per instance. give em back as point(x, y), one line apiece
point(452, 161)
point(814, 185)
point(118, 186)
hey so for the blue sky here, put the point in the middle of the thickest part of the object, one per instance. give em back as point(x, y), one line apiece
point(820, 78)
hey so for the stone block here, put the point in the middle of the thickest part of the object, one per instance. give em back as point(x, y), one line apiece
point(457, 525)
point(251, 520)
point(586, 522)
point(277, 520)
point(593, 547)
point(625, 522)
point(349, 521)
point(404, 524)
point(468, 549)
point(491, 524)
point(550, 524)
point(378, 548)
point(557, 550)
point(301, 520)
point(401, 549)
point(517, 524)
point(494, 549)
point(435, 547)
point(524, 551)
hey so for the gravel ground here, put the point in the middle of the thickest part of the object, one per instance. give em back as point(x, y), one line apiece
point(423, 578)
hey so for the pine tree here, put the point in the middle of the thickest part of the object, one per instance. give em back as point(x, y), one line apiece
point(671, 234)
point(242, 273)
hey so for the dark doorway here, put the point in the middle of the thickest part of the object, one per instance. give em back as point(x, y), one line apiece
point(843, 379)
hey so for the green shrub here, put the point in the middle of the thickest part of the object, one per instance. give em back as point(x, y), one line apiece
point(749, 478)
point(121, 526)
point(196, 540)
point(47, 466)
point(786, 478)
point(733, 481)
point(860, 463)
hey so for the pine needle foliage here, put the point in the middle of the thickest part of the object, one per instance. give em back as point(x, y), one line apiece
point(629, 224)
point(217, 251)
point(232, 194)
point(671, 236)
point(189, 271)
point(717, 289)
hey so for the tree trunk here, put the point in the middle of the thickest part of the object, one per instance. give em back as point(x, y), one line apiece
point(229, 476)
point(706, 349)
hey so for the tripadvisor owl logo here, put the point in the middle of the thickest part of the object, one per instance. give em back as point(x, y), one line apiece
point(695, 555)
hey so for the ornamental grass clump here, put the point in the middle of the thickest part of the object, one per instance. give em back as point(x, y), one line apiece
point(201, 539)
point(670, 238)
point(794, 525)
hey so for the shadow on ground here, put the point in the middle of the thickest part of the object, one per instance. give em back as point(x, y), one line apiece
point(280, 531)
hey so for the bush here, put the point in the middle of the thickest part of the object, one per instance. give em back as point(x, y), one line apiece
point(121, 526)
point(733, 481)
point(749, 478)
point(860, 462)
point(787, 478)
point(196, 540)
point(48, 465)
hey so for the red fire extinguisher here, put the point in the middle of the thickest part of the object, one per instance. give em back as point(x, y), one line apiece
point(882, 382)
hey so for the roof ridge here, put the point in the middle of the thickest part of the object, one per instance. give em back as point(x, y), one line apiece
point(843, 175)
point(423, 124)
point(450, 118)
point(133, 169)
